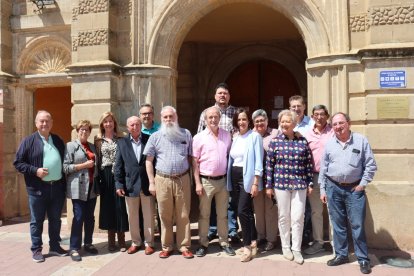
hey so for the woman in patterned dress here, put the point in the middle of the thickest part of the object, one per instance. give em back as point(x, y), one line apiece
point(289, 177)
point(113, 215)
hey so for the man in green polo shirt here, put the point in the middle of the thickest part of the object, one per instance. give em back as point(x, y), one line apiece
point(40, 158)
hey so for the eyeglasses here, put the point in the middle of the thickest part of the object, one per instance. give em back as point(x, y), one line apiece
point(147, 113)
point(259, 121)
point(84, 130)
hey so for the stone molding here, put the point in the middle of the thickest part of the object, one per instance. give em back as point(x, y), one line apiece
point(44, 56)
point(377, 16)
point(90, 6)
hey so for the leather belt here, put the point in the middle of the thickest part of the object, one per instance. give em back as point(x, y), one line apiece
point(172, 175)
point(343, 184)
point(51, 182)
point(213, 177)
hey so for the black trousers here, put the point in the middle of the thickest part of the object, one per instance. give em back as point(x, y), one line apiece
point(243, 203)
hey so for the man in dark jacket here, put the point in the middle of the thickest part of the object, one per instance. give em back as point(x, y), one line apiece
point(131, 181)
point(40, 158)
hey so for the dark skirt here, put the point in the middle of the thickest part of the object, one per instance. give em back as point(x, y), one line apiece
point(113, 213)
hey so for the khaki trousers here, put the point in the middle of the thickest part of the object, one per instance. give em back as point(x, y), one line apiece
point(133, 205)
point(317, 212)
point(213, 189)
point(266, 217)
point(174, 201)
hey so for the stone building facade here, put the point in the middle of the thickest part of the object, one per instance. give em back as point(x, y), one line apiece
point(79, 58)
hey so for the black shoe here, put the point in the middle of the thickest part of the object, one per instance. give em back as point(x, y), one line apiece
point(90, 248)
point(365, 267)
point(38, 256)
point(211, 236)
point(234, 239)
point(338, 261)
point(76, 257)
point(201, 252)
point(60, 252)
point(228, 250)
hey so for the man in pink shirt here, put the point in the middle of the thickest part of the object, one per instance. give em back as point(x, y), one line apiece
point(317, 138)
point(210, 149)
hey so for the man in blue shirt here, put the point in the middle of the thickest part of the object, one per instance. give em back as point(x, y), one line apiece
point(304, 123)
point(40, 159)
point(347, 166)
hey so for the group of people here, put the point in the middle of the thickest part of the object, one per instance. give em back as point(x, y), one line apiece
point(242, 169)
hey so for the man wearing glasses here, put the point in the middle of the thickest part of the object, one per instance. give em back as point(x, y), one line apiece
point(146, 114)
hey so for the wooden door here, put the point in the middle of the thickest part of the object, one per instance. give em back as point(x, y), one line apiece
point(262, 84)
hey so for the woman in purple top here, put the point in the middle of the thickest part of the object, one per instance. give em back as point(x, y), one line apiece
point(289, 177)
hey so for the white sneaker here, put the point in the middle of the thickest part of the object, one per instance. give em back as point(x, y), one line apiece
point(316, 247)
point(287, 254)
point(298, 257)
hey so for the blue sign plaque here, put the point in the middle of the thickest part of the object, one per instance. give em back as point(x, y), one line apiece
point(392, 79)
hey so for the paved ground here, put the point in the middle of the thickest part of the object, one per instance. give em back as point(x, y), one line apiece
point(15, 259)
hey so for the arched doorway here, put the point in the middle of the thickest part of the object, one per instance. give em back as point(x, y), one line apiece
point(262, 84)
point(258, 59)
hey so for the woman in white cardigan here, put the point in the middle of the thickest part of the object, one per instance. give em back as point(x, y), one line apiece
point(244, 178)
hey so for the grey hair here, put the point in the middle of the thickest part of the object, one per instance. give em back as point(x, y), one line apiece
point(319, 107)
point(164, 108)
point(347, 118)
point(215, 108)
point(259, 112)
point(289, 113)
point(44, 112)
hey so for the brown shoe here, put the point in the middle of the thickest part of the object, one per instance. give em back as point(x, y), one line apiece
point(149, 250)
point(121, 241)
point(133, 249)
point(165, 254)
point(111, 241)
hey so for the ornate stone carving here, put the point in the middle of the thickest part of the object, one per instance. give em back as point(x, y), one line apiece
point(358, 23)
point(382, 16)
point(45, 56)
point(391, 15)
point(91, 38)
point(90, 6)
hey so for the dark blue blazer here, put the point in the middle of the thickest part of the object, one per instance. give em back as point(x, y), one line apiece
point(129, 174)
point(29, 158)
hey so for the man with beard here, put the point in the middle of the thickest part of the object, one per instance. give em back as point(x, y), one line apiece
point(146, 114)
point(172, 147)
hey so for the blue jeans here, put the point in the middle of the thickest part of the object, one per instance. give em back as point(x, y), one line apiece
point(345, 205)
point(49, 201)
point(83, 217)
point(231, 216)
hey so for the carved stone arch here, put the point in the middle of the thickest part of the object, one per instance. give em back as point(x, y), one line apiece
point(45, 55)
point(231, 60)
point(177, 19)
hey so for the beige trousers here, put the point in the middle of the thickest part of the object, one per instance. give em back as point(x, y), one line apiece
point(266, 217)
point(291, 206)
point(317, 212)
point(133, 205)
point(213, 189)
point(174, 201)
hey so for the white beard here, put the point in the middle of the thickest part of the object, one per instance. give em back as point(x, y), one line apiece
point(172, 131)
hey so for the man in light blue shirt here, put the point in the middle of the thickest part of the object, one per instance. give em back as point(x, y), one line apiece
point(347, 166)
point(304, 123)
